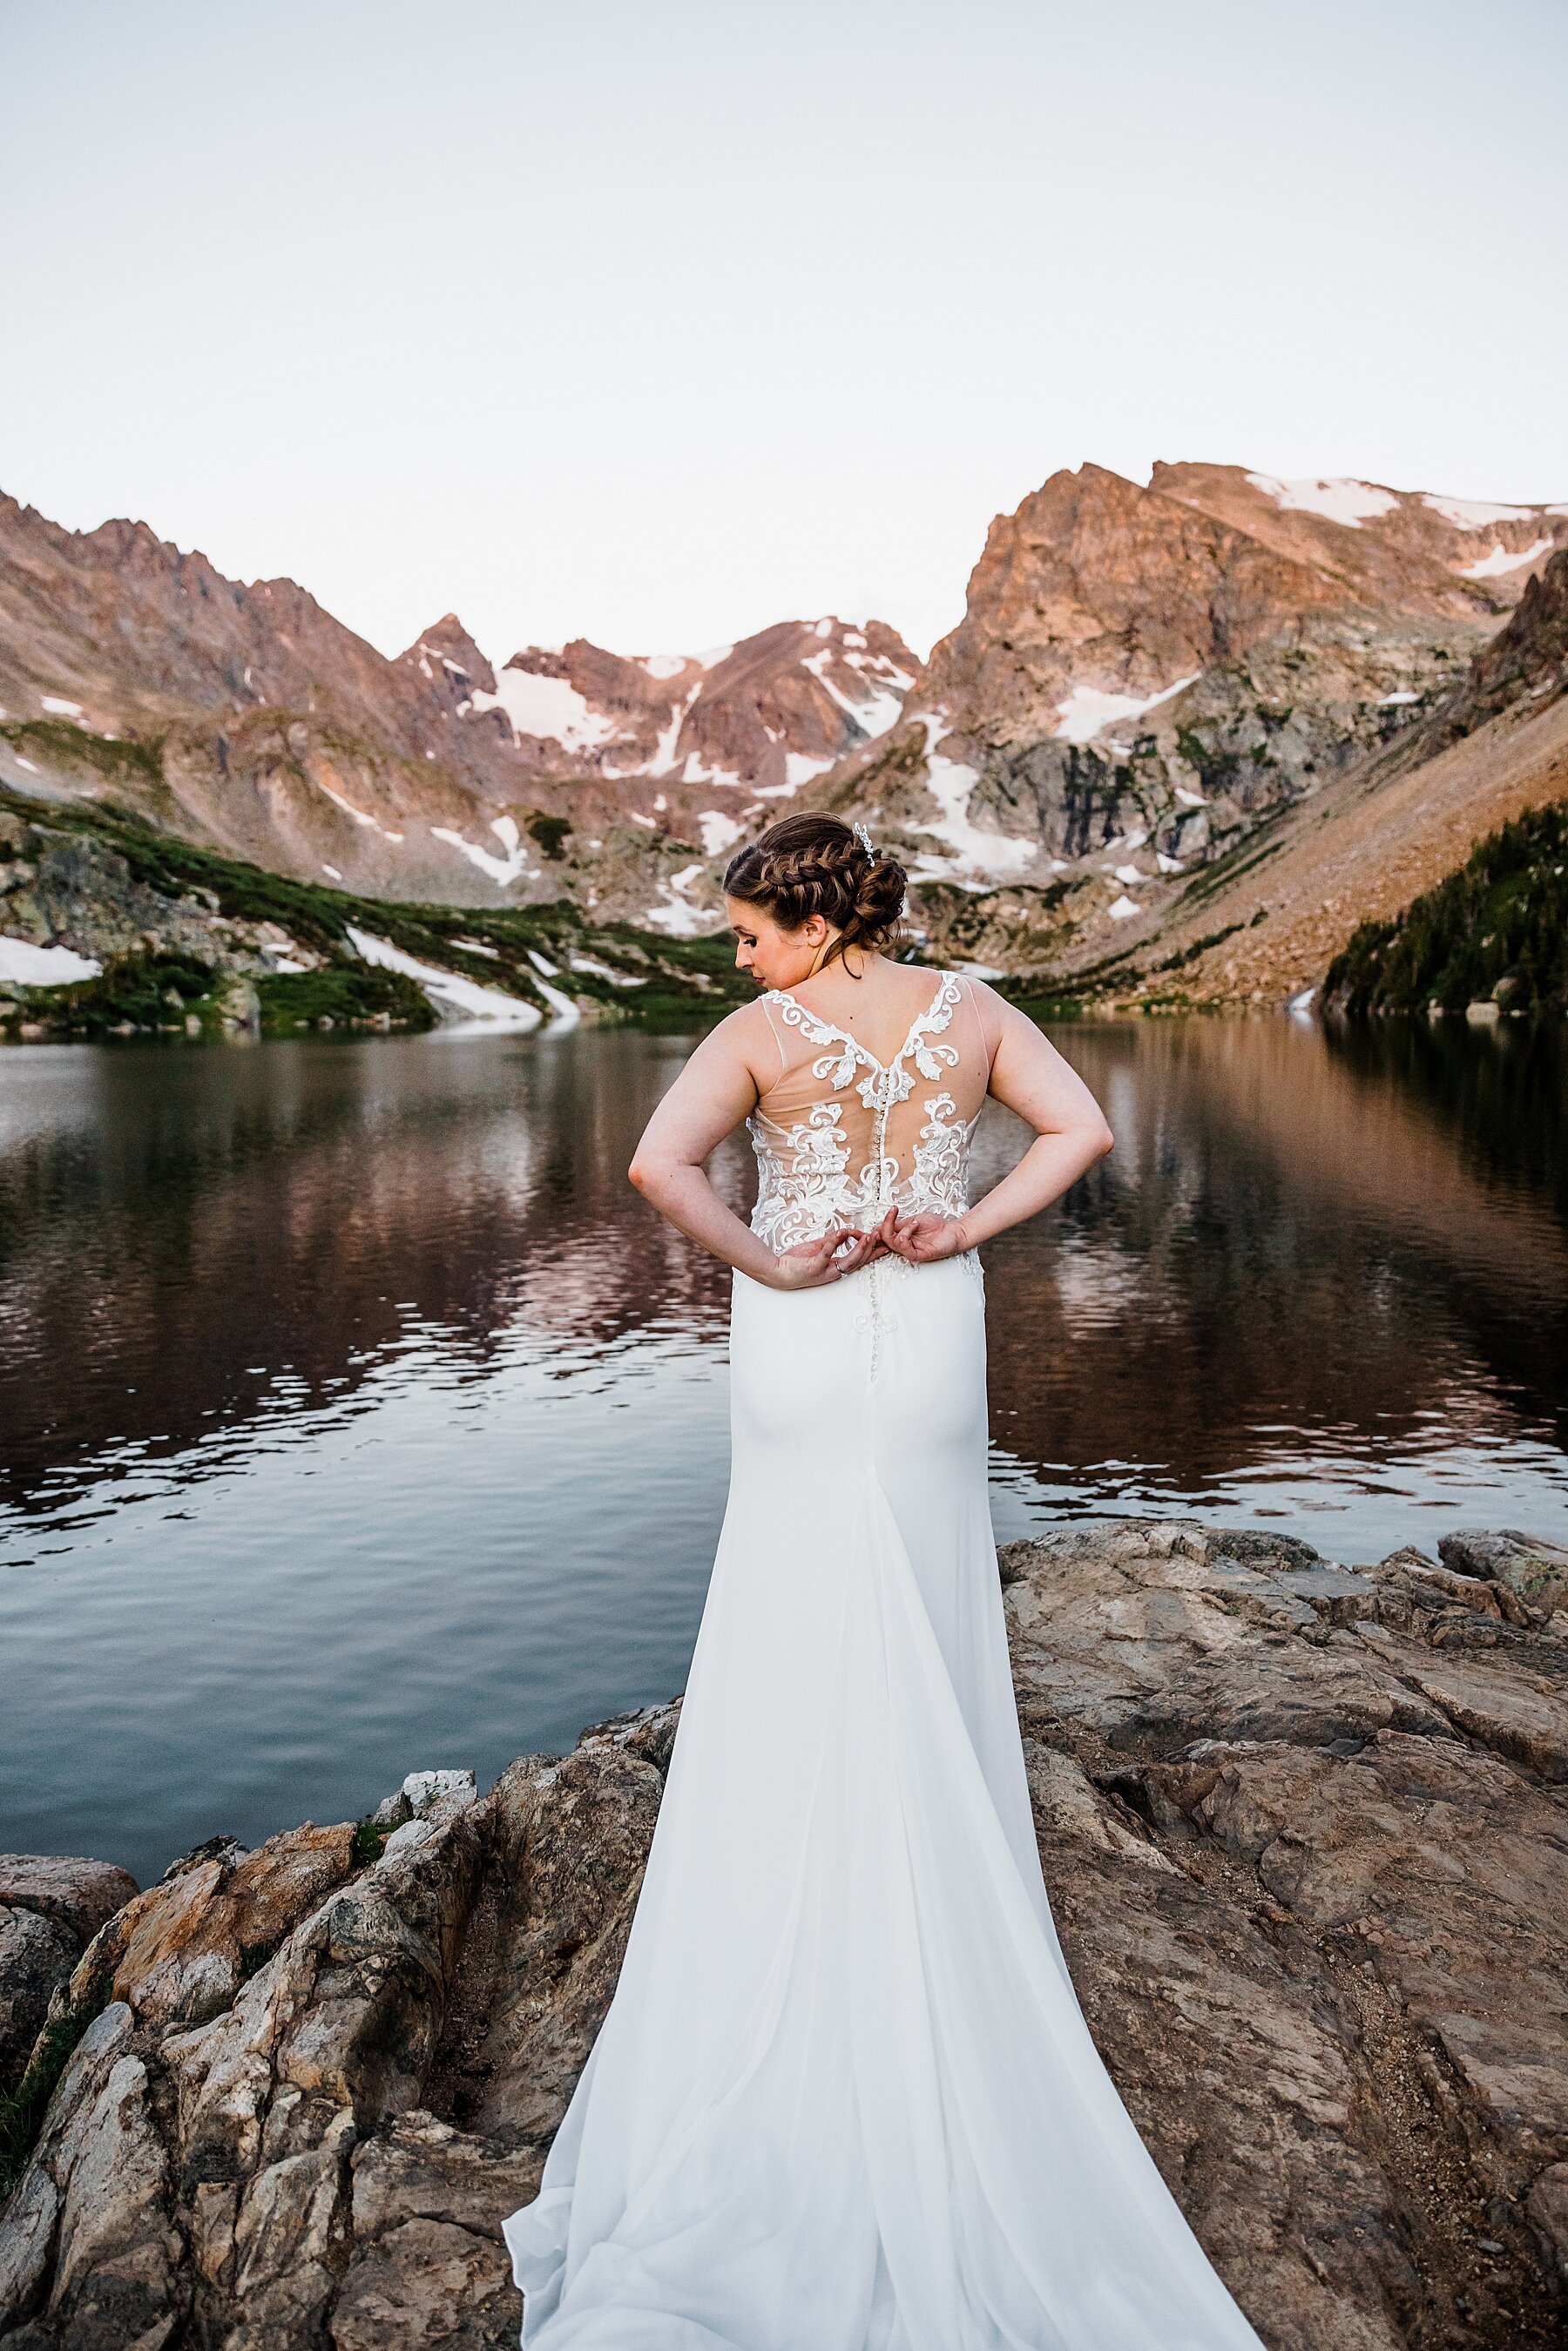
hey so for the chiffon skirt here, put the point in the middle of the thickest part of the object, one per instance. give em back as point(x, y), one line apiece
point(844, 2098)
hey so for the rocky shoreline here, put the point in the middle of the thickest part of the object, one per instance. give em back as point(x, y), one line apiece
point(1306, 1832)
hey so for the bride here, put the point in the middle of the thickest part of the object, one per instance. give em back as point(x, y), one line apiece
point(844, 2098)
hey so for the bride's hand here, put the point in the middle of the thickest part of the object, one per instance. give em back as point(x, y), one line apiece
point(827, 1259)
point(924, 1239)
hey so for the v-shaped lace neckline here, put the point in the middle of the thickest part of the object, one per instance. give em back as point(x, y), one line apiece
point(829, 1029)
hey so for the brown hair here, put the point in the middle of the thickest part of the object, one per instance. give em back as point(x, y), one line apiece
point(808, 864)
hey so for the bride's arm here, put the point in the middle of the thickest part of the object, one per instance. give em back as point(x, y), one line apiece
point(713, 1092)
point(1030, 1078)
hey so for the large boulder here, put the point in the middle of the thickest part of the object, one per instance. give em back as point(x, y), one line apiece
point(51, 1906)
point(1535, 1571)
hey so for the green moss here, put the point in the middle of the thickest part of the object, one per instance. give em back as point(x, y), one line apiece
point(1199, 946)
point(58, 743)
point(369, 1841)
point(149, 991)
point(343, 994)
point(22, 2110)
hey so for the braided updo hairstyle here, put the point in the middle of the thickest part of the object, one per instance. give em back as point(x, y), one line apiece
point(808, 864)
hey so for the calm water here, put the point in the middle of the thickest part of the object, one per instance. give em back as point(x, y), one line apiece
point(358, 1417)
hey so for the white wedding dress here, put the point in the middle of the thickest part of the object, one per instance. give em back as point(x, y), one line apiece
point(844, 2098)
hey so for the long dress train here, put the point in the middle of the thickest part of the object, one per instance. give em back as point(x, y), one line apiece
point(844, 2098)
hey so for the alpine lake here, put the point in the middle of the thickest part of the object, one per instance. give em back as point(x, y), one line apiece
point(357, 1418)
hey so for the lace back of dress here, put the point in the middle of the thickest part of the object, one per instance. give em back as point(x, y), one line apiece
point(842, 1137)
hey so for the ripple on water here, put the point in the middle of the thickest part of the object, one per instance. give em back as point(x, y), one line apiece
point(358, 1416)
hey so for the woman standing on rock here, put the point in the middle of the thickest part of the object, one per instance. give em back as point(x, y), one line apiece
point(844, 2098)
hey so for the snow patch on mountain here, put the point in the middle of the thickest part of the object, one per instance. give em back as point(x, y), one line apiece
point(550, 707)
point(1503, 560)
point(674, 913)
point(693, 772)
point(568, 1012)
point(602, 971)
point(1474, 514)
point(1088, 709)
point(360, 815)
point(667, 665)
point(719, 832)
point(447, 991)
point(1346, 502)
point(799, 768)
point(666, 755)
point(873, 717)
point(513, 867)
point(25, 965)
point(950, 782)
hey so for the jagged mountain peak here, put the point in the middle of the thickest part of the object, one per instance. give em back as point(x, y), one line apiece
point(447, 645)
point(1144, 675)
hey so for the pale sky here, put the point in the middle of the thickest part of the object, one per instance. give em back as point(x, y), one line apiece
point(658, 320)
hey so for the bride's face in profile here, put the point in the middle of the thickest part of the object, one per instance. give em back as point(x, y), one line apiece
point(775, 957)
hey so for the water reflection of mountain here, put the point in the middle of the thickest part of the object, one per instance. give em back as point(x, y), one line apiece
point(1354, 1237)
point(1346, 1236)
point(190, 1240)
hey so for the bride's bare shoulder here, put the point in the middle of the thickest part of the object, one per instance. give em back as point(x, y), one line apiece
point(746, 1020)
point(997, 1017)
point(746, 1035)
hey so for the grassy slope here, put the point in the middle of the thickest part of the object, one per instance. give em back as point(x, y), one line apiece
point(1496, 929)
point(679, 976)
point(1270, 920)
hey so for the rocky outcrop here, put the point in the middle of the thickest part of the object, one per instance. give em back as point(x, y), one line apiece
point(75, 889)
point(312, 2136)
point(1524, 666)
point(1305, 1828)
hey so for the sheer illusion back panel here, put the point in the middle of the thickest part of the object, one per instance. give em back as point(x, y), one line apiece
point(841, 1136)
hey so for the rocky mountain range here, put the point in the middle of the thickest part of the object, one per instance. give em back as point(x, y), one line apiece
point(1145, 681)
point(249, 720)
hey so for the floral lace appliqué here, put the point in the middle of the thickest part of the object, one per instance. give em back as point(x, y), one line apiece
point(806, 1185)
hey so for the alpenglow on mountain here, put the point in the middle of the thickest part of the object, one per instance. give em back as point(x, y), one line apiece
point(1145, 680)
